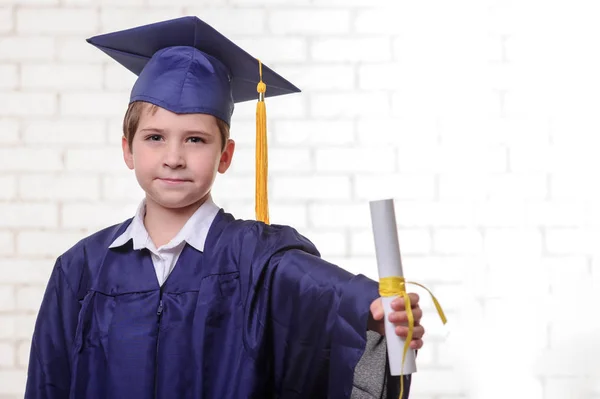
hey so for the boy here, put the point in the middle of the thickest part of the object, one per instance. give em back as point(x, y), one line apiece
point(183, 300)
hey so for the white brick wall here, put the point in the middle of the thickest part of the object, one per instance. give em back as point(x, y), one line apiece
point(481, 124)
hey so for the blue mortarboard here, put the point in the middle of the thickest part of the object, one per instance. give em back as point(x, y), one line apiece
point(186, 66)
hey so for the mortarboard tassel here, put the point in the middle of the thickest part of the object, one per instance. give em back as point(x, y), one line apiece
point(262, 203)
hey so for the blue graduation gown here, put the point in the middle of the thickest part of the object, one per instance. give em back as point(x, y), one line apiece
point(258, 314)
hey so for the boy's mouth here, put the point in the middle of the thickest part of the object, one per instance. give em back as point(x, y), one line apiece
point(173, 181)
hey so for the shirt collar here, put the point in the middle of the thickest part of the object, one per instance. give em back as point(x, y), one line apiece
point(194, 232)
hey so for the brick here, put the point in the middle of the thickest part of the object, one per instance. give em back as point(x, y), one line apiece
point(350, 104)
point(7, 354)
point(23, 349)
point(25, 325)
point(94, 104)
point(412, 242)
point(439, 269)
point(280, 160)
point(457, 241)
point(347, 3)
point(29, 159)
point(398, 131)
point(29, 298)
point(377, 77)
point(27, 104)
point(563, 186)
point(64, 131)
point(571, 241)
point(7, 243)
point(310, 187)
point(9, 130)
point(500, 213)
point(76, 50)
point(338, 215)
point(97, 216)
point(437, 214)
point(447, 159)
point(269, 2)
point(8, 327)
point(525, 186)
point(378, 20)
point(246, 21)
point(9, 76)
point(57, 187)
point(309, 21)
point(114, 132)
point(398, 186)
point(241, 188)
point(458, 186)
point(320, 77)
point(57, 21)
point(61, 77)
point(351, 49)
point(445, 383)
point(118, 78)
point(576, 386)
point(313, 132)
point(523, 241)
point(568, 279)
point(94, 159)
point(380, 160)
point(291, 215)
point(29, 48)
point(114, 19)
point(126, 188)
point(48, 243)
point(7, 298)
point(30, 2)
point(329, 243)
point(9, 187)
point(22, 215)
point(6, 19)
point(556, 213)
point(194, 3)
point(12, 382)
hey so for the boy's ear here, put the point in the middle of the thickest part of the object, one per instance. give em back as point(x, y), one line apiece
point(226, 156)
point(127, 154)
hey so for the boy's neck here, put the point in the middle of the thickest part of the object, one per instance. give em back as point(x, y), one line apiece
point(163, 224)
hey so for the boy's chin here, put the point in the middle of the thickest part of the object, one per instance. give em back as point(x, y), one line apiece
point(173, 202)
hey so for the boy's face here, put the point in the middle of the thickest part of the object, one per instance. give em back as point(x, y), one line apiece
point(176, 157)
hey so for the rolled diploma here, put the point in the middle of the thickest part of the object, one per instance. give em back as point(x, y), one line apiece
point(389, 263)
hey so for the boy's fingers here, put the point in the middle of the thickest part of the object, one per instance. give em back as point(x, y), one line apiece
point(416, 344)
point(377, 309)
point(402, 316)
point(418, 332)
point(398, 303)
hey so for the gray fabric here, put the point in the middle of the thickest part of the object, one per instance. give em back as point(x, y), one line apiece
point(370, 374)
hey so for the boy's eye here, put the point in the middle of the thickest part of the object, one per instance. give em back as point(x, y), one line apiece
point(196, 140)
point(154, 137)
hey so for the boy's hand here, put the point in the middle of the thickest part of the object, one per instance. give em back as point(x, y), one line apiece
point(399, 318)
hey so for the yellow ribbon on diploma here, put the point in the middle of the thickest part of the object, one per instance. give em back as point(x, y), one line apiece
point(396, 286)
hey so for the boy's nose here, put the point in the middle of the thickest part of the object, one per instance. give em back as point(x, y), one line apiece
point(174, 157)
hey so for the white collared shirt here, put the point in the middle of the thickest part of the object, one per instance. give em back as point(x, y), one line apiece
point(194, 232)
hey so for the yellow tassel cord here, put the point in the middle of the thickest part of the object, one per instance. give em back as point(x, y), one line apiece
point(396, 286)
point(261, 197)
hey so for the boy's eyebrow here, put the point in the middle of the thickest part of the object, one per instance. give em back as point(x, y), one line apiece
point(186, 132)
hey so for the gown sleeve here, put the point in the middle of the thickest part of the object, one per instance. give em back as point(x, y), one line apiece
point(317, 319)
point(48, 374)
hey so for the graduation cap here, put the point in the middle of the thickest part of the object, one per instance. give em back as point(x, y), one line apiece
point(186, 66)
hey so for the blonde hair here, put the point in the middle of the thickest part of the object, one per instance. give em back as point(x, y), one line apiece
point(137, 108)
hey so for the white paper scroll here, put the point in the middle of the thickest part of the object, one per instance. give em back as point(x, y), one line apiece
point(389, 263)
